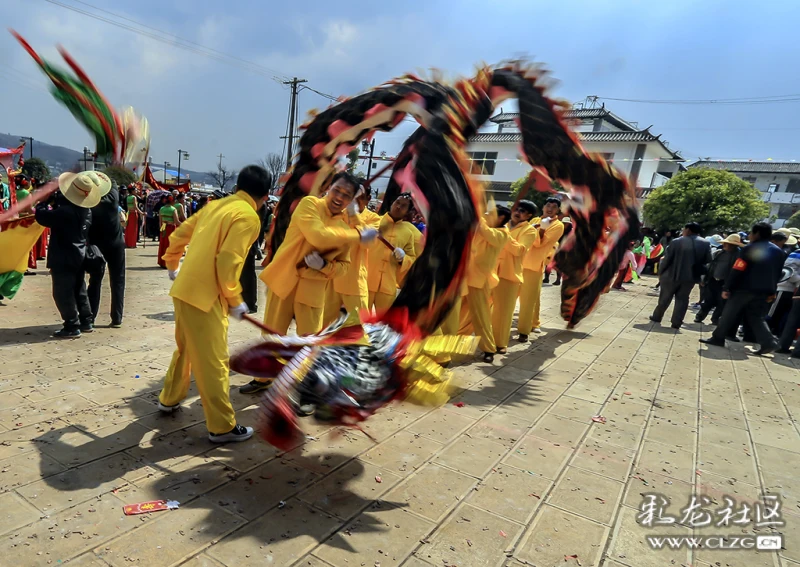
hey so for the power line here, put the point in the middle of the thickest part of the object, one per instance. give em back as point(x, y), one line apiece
point(775, 99)
point(175, 41)
point(328, 96)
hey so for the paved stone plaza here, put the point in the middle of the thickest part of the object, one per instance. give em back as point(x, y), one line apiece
point(517, 474)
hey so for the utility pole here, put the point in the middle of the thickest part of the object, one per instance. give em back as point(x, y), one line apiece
point(365, 145)
point(185, 155)
point(31, 141)
point(220, 156)
point(292, 111)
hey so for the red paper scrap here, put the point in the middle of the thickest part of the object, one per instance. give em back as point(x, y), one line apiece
point(151, 506)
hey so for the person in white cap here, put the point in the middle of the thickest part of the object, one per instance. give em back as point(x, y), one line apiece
point(720, 267)
point(68, 216)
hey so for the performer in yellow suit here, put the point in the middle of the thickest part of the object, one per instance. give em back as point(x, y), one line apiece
point(320, 238)
point(490, 238)
point(205, 291)
point(384, 266)
point(550, 230)
point(509, 270)
point(350, 290)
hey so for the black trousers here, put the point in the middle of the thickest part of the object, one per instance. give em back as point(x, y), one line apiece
point(115, 259)
point(790, 329)
point(753, 307)
point(248, 279)
point(712, 300)
point(72, 302)
point(151, 227)
point(680, 291)
point(780, 309)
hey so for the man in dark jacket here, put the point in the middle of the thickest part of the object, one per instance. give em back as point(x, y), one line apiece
point(679, 272)
point(69, 218)
point(718, 271)
point(749, 288)
point(106, 233)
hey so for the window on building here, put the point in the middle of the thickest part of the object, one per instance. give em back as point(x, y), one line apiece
point(773, 187)
point(751, 180)
point(608, 156)
point(483, 163)
point(793, 186)
point(786, 211)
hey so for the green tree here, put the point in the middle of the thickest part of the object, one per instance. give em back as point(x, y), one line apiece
point(794, 221)
point(532, 194)
point(36, 168)
point(120, 175)
point(718, 200)
point(352, 160)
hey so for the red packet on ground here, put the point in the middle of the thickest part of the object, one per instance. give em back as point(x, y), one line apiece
point(147, 507)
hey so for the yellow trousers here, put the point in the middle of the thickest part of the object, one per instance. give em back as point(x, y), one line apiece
point(381, 301)
point(504, 299)
point(334, 302)
point(202, 350)
point(451, 323)
point(530, 297)
point(480, 314)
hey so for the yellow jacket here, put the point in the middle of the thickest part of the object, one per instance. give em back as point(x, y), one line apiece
point(417, 251)
point(354, 282)
point(540, 251)
point(220, 235)
point(382, 268)
point(312, 227)
point(486, 247)
point(509, 265)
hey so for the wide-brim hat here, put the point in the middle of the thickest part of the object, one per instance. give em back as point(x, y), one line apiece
point(715, 240)
point(734, 239)
point(84, 189)
point(792, 240)
point(795, 231)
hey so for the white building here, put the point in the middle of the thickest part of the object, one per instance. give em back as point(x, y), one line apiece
point(779, 183)
point(639, 154)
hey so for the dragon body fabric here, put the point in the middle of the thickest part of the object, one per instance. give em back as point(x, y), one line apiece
point(359, 364)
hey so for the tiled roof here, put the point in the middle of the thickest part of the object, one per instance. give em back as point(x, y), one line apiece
point(499, 187)
point(750, 166)
point(641, 136)
point(574, 114)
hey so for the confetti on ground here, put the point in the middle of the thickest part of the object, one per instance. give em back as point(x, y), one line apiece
point(459, 404)
point(378, 479)
point(598, 419)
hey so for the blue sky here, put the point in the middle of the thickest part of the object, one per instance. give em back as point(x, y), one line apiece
point(613, 48)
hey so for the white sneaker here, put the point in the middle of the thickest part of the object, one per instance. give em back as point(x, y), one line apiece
point(238, 433)
point(537, 330)
point(167, 409)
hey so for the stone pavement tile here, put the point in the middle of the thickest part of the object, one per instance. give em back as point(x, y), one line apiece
point(791, 534)
point(252, 493)
point(735, 558)
point(674, 413)
point(171, 536)
point(776, 433)
point(402, 454)
point(183, 481)
point(432, 491)
point(346, 491)
point(665, 459)
point(539, 456)
point(555, 533)
point(561, 430)
point(621, 434)
point(467, 376)
point(20, 381)
point(677, 493)
point(471, 537)
point(202, 560)
point(123, 390)
point(91, 560)
point(383, 534)
point(682, 436)
point(243, 459)
point(686, 397)
point(99, 417)
point(30, 412)
point(388, 421)
point(67, 534)
point(74, 371)
point(629, 544)
point(414, 562)
point(25, 468)
point(280, 537)
point(587, 494)
point(472, 456)
point(474, 405)
point(189, 414)
point(604, 458)
point(623, 409)
point(525, 404)
point(722, 416)
point(515, 375)
point(330, 450)
point(772, 460)
point(78, 485)
point(28, 438)
point(16, 512)
point(604, 373)
point(569, 407)
point(441, 426)
point(501, 427)
point(716, 486)
point(595, 393)
point(64, 387)
point(510, 492)
point(71, 446)
point(164, 451)
point(732, 460)
point(576, 364)
point(553, 377)
point(10, 400)
point(495, 388)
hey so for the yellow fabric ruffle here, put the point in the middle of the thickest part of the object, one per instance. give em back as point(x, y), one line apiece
point(430, 384)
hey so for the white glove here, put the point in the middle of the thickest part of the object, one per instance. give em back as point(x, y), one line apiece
point(399, 254)
point(545, 222)
point(315, 261)
point(173, 274)
point(368, 235)
point(353, 209)
point(239, 311)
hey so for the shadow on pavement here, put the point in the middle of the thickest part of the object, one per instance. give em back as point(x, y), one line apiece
point(29, 335)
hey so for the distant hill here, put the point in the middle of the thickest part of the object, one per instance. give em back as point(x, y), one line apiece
point(60, 159)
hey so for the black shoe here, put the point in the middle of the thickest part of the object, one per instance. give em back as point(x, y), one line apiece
point(522, 338)
point(115, 324)
point(488, 357)
point(89, 328)
point(238, 433)
point(255, 387)
point(676, 326)
point(67, 334)
point(699, 321)
point(546, 279)
point(557, 282)
point(733, 339)
point(252, 310)
point(654, 320)
point(502, 350)
point(712, 342)
point(762, 351)
point(783, 351)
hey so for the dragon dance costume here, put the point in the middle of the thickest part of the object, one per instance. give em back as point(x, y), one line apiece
point(358, 364)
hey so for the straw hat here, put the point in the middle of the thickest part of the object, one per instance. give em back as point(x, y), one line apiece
point(795, 231)
point(734, 239)
point(84, 189)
